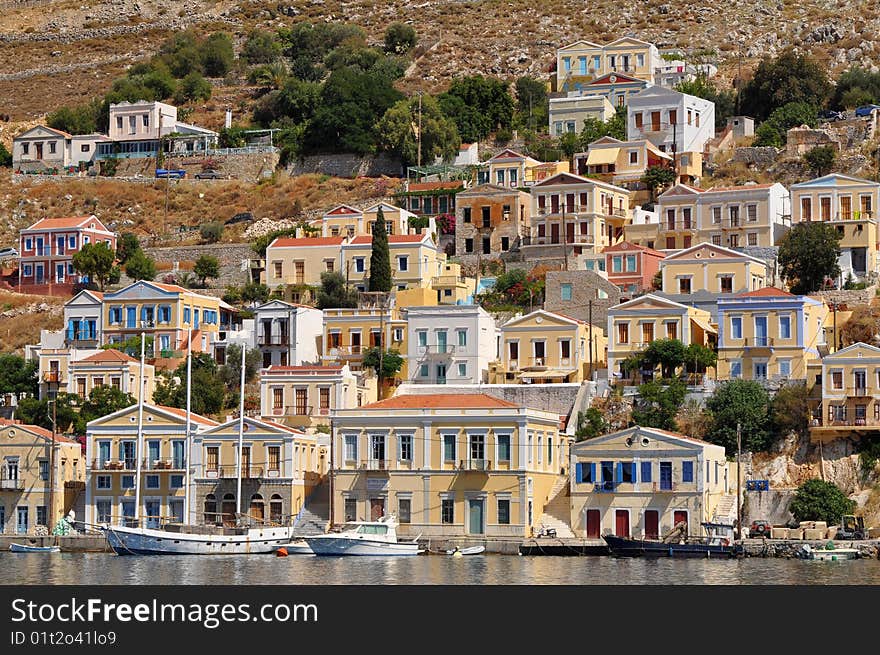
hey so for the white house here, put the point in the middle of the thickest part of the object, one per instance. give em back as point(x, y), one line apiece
point(450, 344)
point(287, 334)
point(672, 121)
point(42, 147)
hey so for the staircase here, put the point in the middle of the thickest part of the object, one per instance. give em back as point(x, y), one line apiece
point(557, 513)
point(315, 514)
point(725, 511)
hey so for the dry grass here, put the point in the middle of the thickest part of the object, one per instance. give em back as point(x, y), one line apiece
point(18, 331)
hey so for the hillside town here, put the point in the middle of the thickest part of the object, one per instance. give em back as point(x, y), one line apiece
point(662, 317)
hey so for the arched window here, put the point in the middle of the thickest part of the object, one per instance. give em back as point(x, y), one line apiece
point(257, 509)
point(211, 509)
point(228, 510)
point(276, 508)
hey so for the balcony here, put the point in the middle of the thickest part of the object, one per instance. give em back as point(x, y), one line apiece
point(375, 465)
point(847, 422)
point(858, 392)
point(295, 410)
point(11, 484)
point(663, 486)
point(676, 226)
point(513, 364)
point(475, 465)
point(231, 472)
point(441, 349)
point(344, 351)
point(853, 215)
point(52, 376)
point(604, 487)
point(758, 342)
point(273, 340)
point(537, 362)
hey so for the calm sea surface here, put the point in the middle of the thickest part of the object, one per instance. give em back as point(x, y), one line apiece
point(101, 568)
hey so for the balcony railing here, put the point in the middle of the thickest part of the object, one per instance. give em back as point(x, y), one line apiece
point(230, 472)
point(853, 215)
point(441, 349)
point(858, 391)
point(11, 484)
point(849, 422)
point(606, 487)
point(294, 410)
point(758, 342)
point(375, 465)
point(672, 226)
point(341, 351)
point(52, 376)
point(663, 486)
point(537, 361)
point(475, 465)
point(129, 464)
point(273, 339)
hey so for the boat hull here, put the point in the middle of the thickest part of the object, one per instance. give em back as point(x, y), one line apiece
point(298, 548)
point(360, 547)
point(148, 541)
point(24, 548)
point(622, 547)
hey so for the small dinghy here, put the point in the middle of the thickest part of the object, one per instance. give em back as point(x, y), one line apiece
point(472, 550)
point(24, 548)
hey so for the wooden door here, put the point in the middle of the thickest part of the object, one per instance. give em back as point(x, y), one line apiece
point(594, 524)
point(680, 516)
point(554, 233)
point(652, 524)
point(377, 508)
point(621, 523)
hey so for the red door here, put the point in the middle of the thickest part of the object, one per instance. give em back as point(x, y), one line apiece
point(569, 232)
point(678, 517)
point(593, 524)
point(621, 523)
point(652, 524)
point(554, 233)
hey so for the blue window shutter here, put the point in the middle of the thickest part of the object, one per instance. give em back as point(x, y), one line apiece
point(70, 329)
point(687, 472)
point(579, 472)
point(646, 471)
point(619, 476)
point(143, 312)
point(632, 471)
point(593, 472)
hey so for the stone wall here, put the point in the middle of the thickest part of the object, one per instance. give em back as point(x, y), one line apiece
point(249, 167)
point(348, 166)
point(230, 257)
point(850, 298)
point(762, 157)
point(585, 287)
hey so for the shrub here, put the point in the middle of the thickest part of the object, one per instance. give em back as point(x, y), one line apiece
point(211, 232)
point(817, 500)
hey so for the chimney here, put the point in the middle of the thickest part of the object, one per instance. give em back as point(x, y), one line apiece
point(228, 122)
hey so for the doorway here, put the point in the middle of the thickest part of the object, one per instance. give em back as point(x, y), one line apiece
point(475, 516)
point(594, 524)
point(257, 511)
point(554, 233)
point(377, 508)
point(680, 516)
point(152, 510)
point(652, 524)
point(21, 526)
point(621, 522)
point(228, 510)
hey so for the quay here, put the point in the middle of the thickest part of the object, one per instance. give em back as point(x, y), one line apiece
point(788, 548)
point(80, 543)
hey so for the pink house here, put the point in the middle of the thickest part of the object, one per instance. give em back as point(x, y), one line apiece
point(47, 247)
point(632, 267)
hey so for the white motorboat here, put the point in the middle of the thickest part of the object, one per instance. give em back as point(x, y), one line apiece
point(364, 538)
point(828, 555)
point(471, 550)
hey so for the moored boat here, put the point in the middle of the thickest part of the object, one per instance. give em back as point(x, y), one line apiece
point(718, 543)
point(179, 539)
point(298, 547)
point(364, 538)
point(471, 550)
point(25, 548)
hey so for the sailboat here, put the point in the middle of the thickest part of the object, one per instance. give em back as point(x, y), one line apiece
point(190, 539)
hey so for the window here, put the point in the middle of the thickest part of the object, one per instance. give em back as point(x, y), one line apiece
point(152, 482)
point(462, 369)
point(634, 154)
point(85, 147)
point(623, 333)
point(462, 338)
point(806, 209)
point(127, 482)
point(716, 214)
point(104, 509)
point(52, 146)
point(359, 264)
point(402, 263)
point(647, 332)
point(176, 481)
point(132, 124)
point(716, 239)
point(627, 472)
point(616, 264)
point(752, 213)
point(44, 469)
point(726, 283)
point(25, 148)
point(468, 245)
point(466, 214)
point(687, 471)
point(785, 367)
point(670, 243)
point(785, 327)
point(447, 510)
point(630, 263)
point(504, 511)
point(565, 292)
point(672, 330)
point(350, 509)
point(103, 481)
point(752, 238)
point(735, 369)
point(684, 285)
point(423, 371)
point(406, 447)
point(448, 447)
point(503, 447)
point(837, 379)
point(324, 398)
point(736, 327)
point(277, 398)
point(351, 447)
point(404, 510)
point(505, 244)
point(646, 471)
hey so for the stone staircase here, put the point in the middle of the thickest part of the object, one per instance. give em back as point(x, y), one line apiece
point(314, 517)
point(557, 513)
point(725, 511)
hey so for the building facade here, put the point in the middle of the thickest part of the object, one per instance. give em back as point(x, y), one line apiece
point(301, 260)
point(415, 260)
point(567, 114)
point(710, 269)
point(583, 61)
point(675, 122)
point(490, 219)
point(288, 334)
point(351, 331)
point(110, 368)
point(44, 148)
point(632, 267)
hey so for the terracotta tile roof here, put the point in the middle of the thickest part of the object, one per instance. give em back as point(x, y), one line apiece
point(280, 426)
point(36, 429)
point(741, 187)
point(168, 287)
point(679, 435)
point(766, 292)
point(432, 186)
point(109, 355)
point(442, 401)
point(392, 238)
point(632, 246)
point(60, 223)
point(303, 242)
point(275, 368)
point(195, 418)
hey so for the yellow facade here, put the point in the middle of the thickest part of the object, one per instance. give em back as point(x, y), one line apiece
point(348, 221)
point(544, 347)
point(301, 261)
point(769, 334)
point(112, 458)
point(509, 169)
point(620, 162)
point(25, 484)
point(447, 465)
point(705, 268)
point(349, 332)
point(415, 261)
point(847, 404)
point(451, 286)
point(582, 61)
point(634, 324)
point(640, 482)
point(111, 368)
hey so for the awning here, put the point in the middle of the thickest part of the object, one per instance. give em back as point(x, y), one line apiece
point(602, 156)
point(706, 327)
point(547, 373)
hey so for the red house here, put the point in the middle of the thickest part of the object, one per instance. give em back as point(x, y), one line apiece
point(632, 267)
point(47, 247)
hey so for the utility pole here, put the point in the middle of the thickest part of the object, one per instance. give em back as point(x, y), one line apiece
point(51, 480)
point(590, 321)
point(739, 481)
point(332, 463)
point(381, 344)
point(419, 135)
point(564, 234)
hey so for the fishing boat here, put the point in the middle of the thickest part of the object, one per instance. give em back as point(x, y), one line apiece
point(364, 538)
point(25, 548)
point(828, 554)
point(460, 552)
point(717, 543)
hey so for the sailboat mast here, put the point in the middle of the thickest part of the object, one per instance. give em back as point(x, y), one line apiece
point(186, 516)
point(140, 437)
point(240, 430)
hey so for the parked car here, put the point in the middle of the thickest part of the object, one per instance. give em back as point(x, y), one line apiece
point(866, 110)
point(832, 115)
point(8, 253)
point(210, 174)
point(170, 172)
point(759, 528)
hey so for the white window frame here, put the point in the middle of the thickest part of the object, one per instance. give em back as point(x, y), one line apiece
point(347, 449)
point(509, 436)
point(787, 318)
point(733, 322)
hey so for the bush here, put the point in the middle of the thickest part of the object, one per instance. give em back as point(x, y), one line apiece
point(821, 159)
point(5, 157)
point(400, 38)
point(140, 267)
point(193, 87)
point(740, 401)
point(261, 48)
point(817, 500)
point(211, 232)
point(217, 55)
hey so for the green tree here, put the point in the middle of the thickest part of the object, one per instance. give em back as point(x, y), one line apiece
point(231, 371)
point(569, 144)
point(725, 100)
point(788, 78)
point(855, 87)
point(17, 375)
point(478, 105)
point(270, 76)
point(132, 346)
point(590, 424)
point(334, 292)
point(821, 159)
point(391, 364)
point(94, 260)
point(77, 119)
point(657, 281)
point(207, 266)
point(657, 177)
point(127, 245)
point(261, 47)
point(400, 38)
point(668, 354)
point(658, 403)
point(380, 259)
point(5, 157)
point(790, 410)
point(398, 131)
point(140, 267)
point(817, 500)
point(255, 292)
point(697, 358)
point(532, 102)
point(102, 401)
point(808, 254)
point(773, 131)
point(33, 411)
point(208, 389)
point(740, 401)
point(217, 55)
point(192, 87)
point(211, 232)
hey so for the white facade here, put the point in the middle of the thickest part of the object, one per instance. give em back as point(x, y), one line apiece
point(135, 121)
point(672, 121)
point(450, 344)
point(287, 334)
point(676, 71)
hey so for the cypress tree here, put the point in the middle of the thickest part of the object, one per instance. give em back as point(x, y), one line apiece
point(380, 259)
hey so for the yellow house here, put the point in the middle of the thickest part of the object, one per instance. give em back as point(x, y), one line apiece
point(280, 466)
point(448, 465)
point(705, 268)
point(583, 61)
point(348, 221)
point(112, 458)
point(451, 285)
point(110, 368)
point(349, 332)
point(54, 370)
point(165, 312)
point(508, 168)
point(849, 204)
point(769, 334)
point(414, 260)
point(306, 396)
point(634, 324)
point(544, 347)
point(578, 211)
point(850, 394)
point(623, 163)
point(567, 114)
point(26, 491)
point(295, 261)
point(641, 482)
